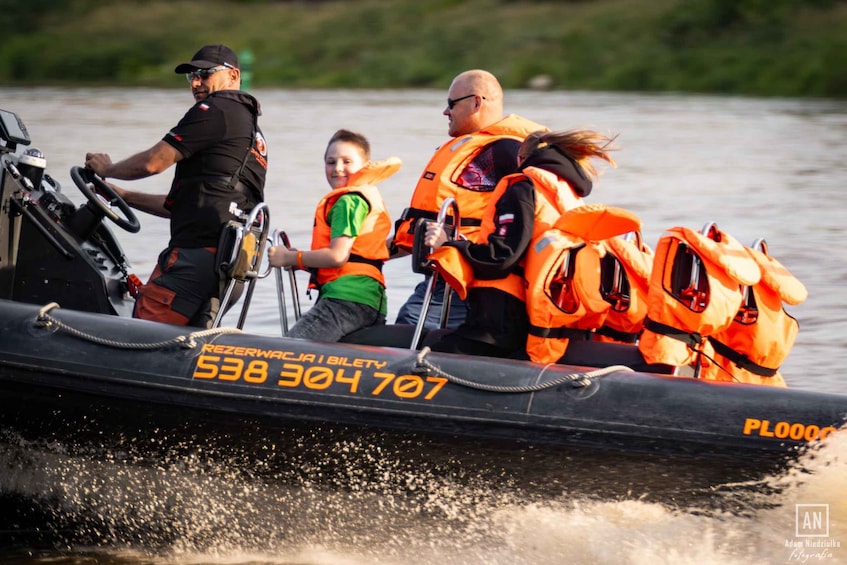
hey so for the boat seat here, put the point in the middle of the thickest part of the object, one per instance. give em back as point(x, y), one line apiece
point(386, 335)
point(239, 254)
point(579, 353)
point(604, 354)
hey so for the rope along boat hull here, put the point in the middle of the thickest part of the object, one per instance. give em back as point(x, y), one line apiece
point(233, 376)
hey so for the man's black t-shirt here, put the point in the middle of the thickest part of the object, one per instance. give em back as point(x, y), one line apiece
point(215, 137)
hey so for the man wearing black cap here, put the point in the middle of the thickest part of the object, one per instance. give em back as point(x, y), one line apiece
point(221, 162)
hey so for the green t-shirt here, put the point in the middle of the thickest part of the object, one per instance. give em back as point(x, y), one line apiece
point(346, 218)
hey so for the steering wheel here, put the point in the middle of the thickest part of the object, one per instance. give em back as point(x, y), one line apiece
point(82, 177)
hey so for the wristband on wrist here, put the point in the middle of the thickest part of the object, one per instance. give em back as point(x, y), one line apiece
point(300, 264)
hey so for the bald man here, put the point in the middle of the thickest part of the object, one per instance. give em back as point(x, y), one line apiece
point(483, 149)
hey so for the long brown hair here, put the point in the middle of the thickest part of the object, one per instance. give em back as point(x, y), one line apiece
point(578, 144)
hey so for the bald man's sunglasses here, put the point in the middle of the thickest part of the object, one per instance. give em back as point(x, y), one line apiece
point(452, 102)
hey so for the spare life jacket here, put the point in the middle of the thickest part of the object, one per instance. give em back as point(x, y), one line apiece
point(695, 292)
point(564, 278)
point(369, 250)
point(625, 281)
point(762, 333)
point(439, 179)
point(553, 197)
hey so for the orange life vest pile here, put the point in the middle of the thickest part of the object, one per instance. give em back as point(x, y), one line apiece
point(762, 333)
point(563, 271)
point(716, 305)
point(702, 300)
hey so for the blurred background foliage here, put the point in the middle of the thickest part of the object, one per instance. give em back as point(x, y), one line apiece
point(746, 47)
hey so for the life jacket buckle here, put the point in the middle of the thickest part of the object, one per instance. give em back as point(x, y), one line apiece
point(614, 284)
point(748, 313)
point(561, 287)
point(695, 294)
point(689, 283)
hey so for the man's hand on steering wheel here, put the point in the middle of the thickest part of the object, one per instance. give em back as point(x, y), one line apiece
point(83, 177)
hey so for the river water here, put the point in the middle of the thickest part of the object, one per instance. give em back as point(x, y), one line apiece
point(770, 168)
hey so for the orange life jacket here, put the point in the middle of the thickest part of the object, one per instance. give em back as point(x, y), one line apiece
point(695, 292)
point(553, 197)
point(369, 250)
point(439, 179)
point(762, 333)
point(625, 280)
point(563, 273)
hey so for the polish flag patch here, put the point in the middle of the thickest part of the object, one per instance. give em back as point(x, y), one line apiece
point(203, 106)
point(504, 222)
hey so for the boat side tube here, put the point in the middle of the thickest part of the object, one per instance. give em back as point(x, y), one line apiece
point(287, 380)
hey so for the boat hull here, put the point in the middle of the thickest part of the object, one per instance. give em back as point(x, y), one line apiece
point(234, 376)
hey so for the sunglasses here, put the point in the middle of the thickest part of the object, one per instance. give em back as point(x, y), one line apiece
point(452, 102)
point(203, 74)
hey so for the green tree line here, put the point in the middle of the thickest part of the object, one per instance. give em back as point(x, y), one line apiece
point(746, 47)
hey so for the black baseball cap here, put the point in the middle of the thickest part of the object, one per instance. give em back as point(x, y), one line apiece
point(210, 56)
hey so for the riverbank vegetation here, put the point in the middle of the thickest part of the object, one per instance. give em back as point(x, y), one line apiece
point(747, 47)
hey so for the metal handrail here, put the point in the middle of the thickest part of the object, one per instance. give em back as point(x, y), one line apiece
point(281, 238)
point(449, 203)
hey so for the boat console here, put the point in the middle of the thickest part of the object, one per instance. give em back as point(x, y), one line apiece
point(51, 250)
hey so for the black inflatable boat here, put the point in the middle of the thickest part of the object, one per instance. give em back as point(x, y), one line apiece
point(76, 368)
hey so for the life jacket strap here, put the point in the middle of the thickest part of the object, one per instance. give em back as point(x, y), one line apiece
point(376, 263)
point(740, 359)
point(313, 277)
point(561, 333)
point(416, 213)
point(691, 339)
point(617, 335)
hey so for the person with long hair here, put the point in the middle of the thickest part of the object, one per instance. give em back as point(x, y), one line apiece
point(555, 173)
